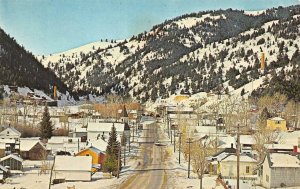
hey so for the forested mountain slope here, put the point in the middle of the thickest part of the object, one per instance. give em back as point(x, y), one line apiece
point(20, 68)
point(212, 51)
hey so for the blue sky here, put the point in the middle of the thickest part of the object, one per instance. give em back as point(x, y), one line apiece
point(49, 26)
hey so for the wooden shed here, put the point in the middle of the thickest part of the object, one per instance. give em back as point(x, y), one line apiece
point(12, 161)
point(32, 150)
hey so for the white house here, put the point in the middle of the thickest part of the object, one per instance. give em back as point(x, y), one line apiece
point(228, 166)
point(247, 142)
point(73, 168)
point(279, 170)
point(65, 144)
point(97, 130)
point(10, 133)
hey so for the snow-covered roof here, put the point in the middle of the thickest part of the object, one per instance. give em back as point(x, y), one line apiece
point(3, 168)
point(279, 146)
point(62, 139)
point(283, 160)
point(183, 116)
point(206, 129)
point(276, 119)
point(96, 150)
point(11, 156)
point(99, 144)
point(179, 109)
point(26, 145)
point(10, 131)
point(247, 139)
point(104, 127)
point(291, 138)
point(218, 157)
point(226, 141)
point(73, 163)
point(243, 158)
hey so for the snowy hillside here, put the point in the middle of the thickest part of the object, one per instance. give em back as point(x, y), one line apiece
point(212, 51)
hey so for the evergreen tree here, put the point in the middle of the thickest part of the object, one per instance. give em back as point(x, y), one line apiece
point(264, 115)
point(112, 144)
point(46, 125)
point(110, 164)
point(112, 152)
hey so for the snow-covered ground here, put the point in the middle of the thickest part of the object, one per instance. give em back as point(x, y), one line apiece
point(30, 179)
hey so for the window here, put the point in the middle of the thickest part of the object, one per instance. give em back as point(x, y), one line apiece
point(247, 169)
point(87, 155)
point(277, 122)
point(267, 178)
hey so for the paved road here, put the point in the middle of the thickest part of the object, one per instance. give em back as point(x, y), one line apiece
point(151, 174)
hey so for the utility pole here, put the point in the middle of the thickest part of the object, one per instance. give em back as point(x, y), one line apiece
point(124, 153)
point(119, 157)
point(174, 141)
point(179, 144)
point(78, 145)
point(171, 137)
point(133, 131)
point(51, 172)
point(189, 165)
point(129, 143)
point(238, 157)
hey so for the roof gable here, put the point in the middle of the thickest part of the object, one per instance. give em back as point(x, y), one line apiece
point(26, 145)
point(10, 131)
point(3, 168)
point(11, 156)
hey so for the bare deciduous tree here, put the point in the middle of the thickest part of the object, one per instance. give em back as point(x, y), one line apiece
point(200, 150)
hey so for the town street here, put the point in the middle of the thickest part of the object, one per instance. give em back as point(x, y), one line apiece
point(151, 173)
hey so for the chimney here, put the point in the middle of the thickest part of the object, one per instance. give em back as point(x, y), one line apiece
point(231, 145)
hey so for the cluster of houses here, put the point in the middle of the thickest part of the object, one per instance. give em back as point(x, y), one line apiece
point(76, 157)
point(279, 168)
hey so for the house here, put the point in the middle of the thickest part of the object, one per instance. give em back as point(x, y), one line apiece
point(101, 129)
point(98, 157)
point(10, 133)
point(247, 143)
point(279, 148)
point(228, 166)
point(9, 146)
point(277, 123)
point(279, 170)
point(64, 144)
point(100, 144)
point(32, 149)
point(2, 150)
point(226, 141)
point(12, 161)
point(79, 132)
point(214, 165)
point(73, 168)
